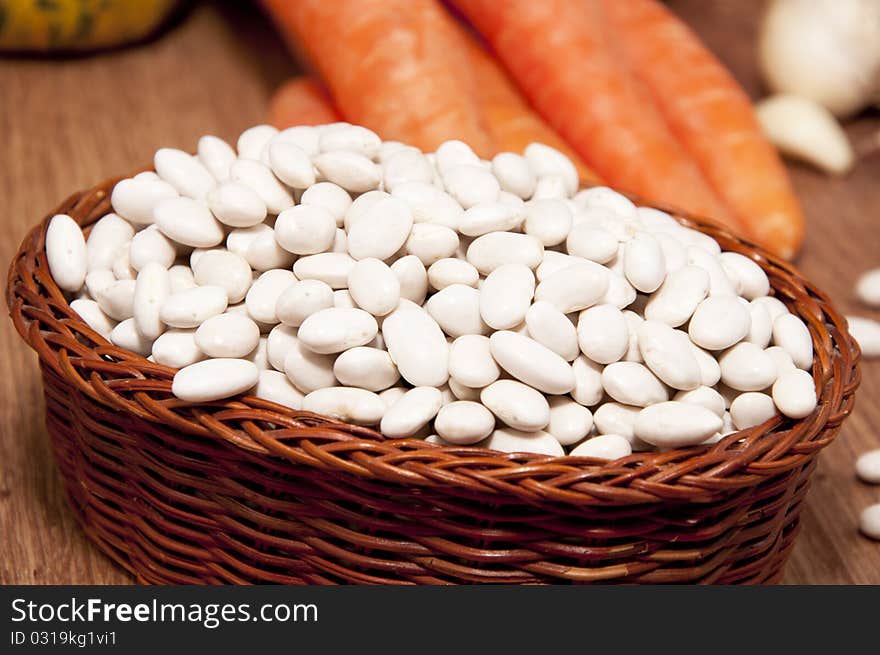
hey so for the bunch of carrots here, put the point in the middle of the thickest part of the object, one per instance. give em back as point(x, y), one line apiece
point(624, 88)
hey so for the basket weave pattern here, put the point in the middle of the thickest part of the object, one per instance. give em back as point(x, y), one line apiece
point(247, 491)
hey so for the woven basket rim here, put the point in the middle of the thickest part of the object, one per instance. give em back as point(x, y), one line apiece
point(130, 383)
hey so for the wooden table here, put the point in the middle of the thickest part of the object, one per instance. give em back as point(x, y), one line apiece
point(67, 124)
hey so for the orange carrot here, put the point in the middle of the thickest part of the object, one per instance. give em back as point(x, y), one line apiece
point(559, 53)
point(511, 122)
point(390, 65)
point(712, 116)
point(301, 101)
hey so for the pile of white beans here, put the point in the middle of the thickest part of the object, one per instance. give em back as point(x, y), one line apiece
point(437, 295)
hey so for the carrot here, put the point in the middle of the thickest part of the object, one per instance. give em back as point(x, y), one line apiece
point(712, 116)
point(390, 65)
point(301, 101)
point(559, 54)
point(512, 123)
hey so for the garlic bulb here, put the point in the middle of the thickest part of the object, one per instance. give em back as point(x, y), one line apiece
point(825, 50)
point(804, 130)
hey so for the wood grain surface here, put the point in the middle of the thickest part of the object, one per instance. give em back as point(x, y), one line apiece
point(66, 124)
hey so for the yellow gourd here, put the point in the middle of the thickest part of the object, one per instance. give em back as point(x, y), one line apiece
point(77, 25)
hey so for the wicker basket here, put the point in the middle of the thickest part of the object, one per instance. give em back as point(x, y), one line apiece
point(247, 491)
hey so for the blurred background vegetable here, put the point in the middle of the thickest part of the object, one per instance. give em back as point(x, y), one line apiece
point(78, 25)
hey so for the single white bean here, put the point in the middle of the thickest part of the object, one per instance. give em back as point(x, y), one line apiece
point(329, 196)
point(117, 300)
point(464, 422)
point(632, 383)
point(307, 370)
point(456, 309)
point(66, 253)
point(134, 199)
point(675, 424)
point(216, 155)
point(551, 328)
point(451, 270)
point(429, 204)
point(412, 411)
point(719, 322)
point(471, 362)
point(643, 263)
point(750, 278)
point(126, 335)
point(575, 287)
point(746, 367)
point(588, 388)
point(227, 335)
point(177, 348)
point(677, 299)
point(291, 164)
point(868, 288)
point(705, 397)
point(470, 184)
point(869, 521)
point(152, 288)
point(750, 409)
point(509, 440)
point(189, 222)
point(274, 386)
point(533, 363)
point(236, 205)
point(865, 331)
point(184, 172)
point(514, 174)
point(868, 466)
point(381, 231)
point(492, 216)
point(546, 161)
point(259, 177)
point(569, 421)
point(517, 405)
point(109, 234)
point(792, 335)
point(93, 316)
point(506, 295)
point(348, 404)
point(192, 307)
point(374, 286)
point(332, 268)
point(794, 393)
point(431, 242)
point(367, 368)
point(492, 250)
point(413, 278)
point(214, 379)
point(616, 418)
point(604, 446)
point(253, 141)
point(224, 269)
point(602, 333)
point(352, 171)
point(336, 329)
point(665, 352)
point(417, 345)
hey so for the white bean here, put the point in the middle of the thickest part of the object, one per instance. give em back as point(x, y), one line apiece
point(305, 229)
point(457, 310)
point(93, 316)
point(616, 418)
point(348, 404)
point(746, 367)
point(604, 446)
point(227, 335)
point(429, 204)
point(152, 288)
point(667, 355)
point(107, 236)
point(551, 328)
point(470, 184)
point(492, 216)
point(675, 424)
point(464, 422)
point(514, 174)
point(869, 521)
point(374, 286)
point(382, 229)
point(643, 263)
point(575, 287)
point(751, 278)
point(412, 411)
point(431, 242)
point(291, 164)
point(509, 440)
point(417, 345)
point(66, 253)
point(529, 361)
point(262, 181)
point(307, 370)
point(750, 409)
point(868, 466)
point(183, 172)
point(236, 205)
point(117, 300)
point(632, 383)
point(189, 222)
point(588, 388)
point(471, 362)
point(406, 165)
point(332, 268)
point(213, 379)
point(795, 393)
point(451, 270)
point(791, 334)
point(602, 333)
point(177, 348)
point(865, 331)
point(126, 335)
point(134, 199)
point(253, 141)
point(216, 155)
point(274, 386)
point(517, 405)
point(677, 299)
point(329, 196)
point(545, 161)
point(719, 322)
point(592, 242)
point(569, 421)
point(703, 396)
point(352, 171)
point(367, 368)
point(506, 295)
point(868, 288)
point(192, 307)
point(413, 278)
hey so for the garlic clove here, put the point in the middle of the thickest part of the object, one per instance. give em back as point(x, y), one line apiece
point(802, 129)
